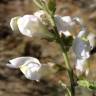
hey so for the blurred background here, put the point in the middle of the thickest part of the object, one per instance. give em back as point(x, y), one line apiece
point(12, 45)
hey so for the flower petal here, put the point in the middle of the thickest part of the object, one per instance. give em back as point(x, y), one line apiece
point(25, 24)
point(64, 25)
point(61, 24)
point(81, 48)
point(80, 64)
point(31, 70)
point(29, 66)
point(30, 25)
point(68, 20)
point(81, 45)
point(85, 54)
point(17, 62)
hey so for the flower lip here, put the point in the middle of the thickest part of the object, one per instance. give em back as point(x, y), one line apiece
point(17, 62)
point(30, 25)
point(31, 70)
point(30, 67)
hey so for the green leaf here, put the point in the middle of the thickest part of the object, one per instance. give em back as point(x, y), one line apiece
point(87, 84)
point(52, 6)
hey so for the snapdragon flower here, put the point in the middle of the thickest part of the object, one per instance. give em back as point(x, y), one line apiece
point(66, 24)
point(30, 67)
point(30, 25)
point(81, 47)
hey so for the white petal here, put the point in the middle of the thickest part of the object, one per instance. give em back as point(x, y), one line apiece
point(17, 62)
point(81, 48)
point(31, 70)
point(85, 54)
point(24, 24)
point(80, 64)
point(28, 65)
point(62, 24)
point(67, 33)
point(11, 65)
point(67, 19)
point(30, 25)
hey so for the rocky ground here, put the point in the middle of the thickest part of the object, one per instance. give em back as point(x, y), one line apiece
point(12, 82)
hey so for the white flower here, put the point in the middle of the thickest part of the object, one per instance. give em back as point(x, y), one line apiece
point(30, 25)
point(67, 24)
point(62, 24)
point(81, 47)
point(80, 64)
point(13, 23)
point(30, 67)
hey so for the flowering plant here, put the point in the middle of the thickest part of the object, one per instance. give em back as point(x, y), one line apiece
point(45, 23)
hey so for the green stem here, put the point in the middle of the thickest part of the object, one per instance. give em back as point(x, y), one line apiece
point(70, 73)
point(69, 69)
